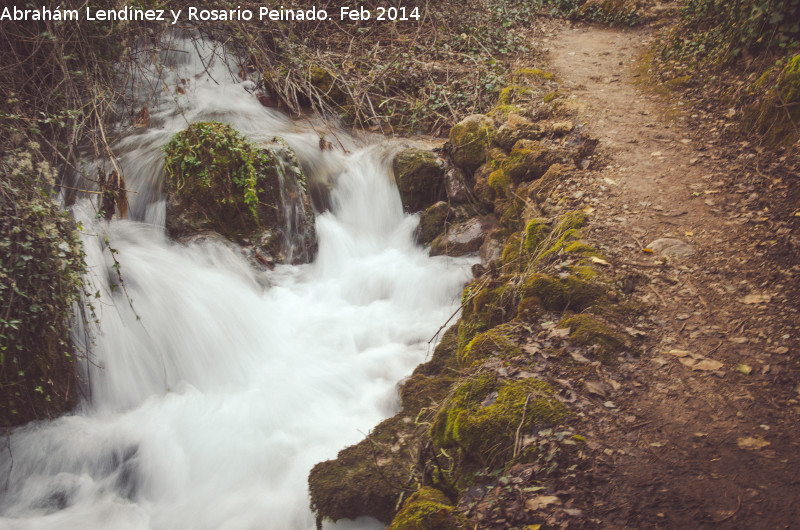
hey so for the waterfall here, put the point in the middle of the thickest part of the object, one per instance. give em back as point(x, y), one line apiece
point(213, 388)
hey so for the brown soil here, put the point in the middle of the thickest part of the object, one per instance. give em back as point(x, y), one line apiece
point(682, 447)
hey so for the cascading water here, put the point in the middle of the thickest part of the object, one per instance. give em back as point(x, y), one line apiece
point(211, 395)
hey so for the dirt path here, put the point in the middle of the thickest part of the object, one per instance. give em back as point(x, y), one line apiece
point(707, 445)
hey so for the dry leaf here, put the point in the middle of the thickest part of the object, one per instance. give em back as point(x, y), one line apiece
point(756, 299)
point(679, 353)
point(578, 357)
point(541, 501)
point(599, 261)
point(754, 443)
point(783, 350)
point(744, 368)
point(656, 153)
point(688, 361)
point(648, 250)
point(595, 387)
point(707, 365)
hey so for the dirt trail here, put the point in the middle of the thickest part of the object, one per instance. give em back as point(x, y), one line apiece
point(689, 448)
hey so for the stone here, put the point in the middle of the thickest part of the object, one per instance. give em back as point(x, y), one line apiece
point(419, 175)
point(470, 140)
point(455, 184)
point(517, 128)
point(432, 222)
point(461, 239)
point(673, 248)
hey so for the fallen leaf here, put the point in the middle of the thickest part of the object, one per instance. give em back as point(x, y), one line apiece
point(599, 261)
point(754, 443)
point(708, 365)
point(578, 357)
point(679, 353)
point(588, 209)
point(648, 250)
point(688, 361)
point(595, 387)
point(756, 299)
point(783, 350)
point(657, 444)
point(541, 501)
point(656, 153)
point(688, 233)
point(739, 340)
point(744, 368)
point(610, 181)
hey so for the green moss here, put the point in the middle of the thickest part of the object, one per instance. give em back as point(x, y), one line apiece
point(514, 94)
point(588, 330)
point(776, 114)
point(512, 253)
point(41, 278)
point(529, 309)
point(552, 96)
point(428, 509)
point(581, 249)
point(217, 180)
point(497, 342)
point(511, 214)
point(484, 425)
point(584, 272)
point(536, 232)
point(493, 304)
point(470, 140)
point(533, 74)
point(499, 182)
point(432, 222)
point(560, 294)
point(571, 221)
point(445, 355)
point(501, 112)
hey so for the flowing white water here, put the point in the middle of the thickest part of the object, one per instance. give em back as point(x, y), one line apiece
point(213, 394)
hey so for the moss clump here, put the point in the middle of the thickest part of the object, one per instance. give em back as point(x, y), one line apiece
point(497, 342)
point(499, 183)
point(512, 253)
point(501, 112)
point(511, 213)
point(536, 232)
point(217, 180)
point(588, 330)
point(470, 140)
point(529, 309)
point(551, 96)
point(483, 416)
point(445, 356)
point(514, 94)
point(420, 178)
point(581, 249)
point(491, 305)
point(428, 509)
point(41, 277)
point(560, 294)
point(532, 74)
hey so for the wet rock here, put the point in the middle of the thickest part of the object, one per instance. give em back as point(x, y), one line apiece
point(673, 248)
point(470, 140)
point(461, 239)
point(219, 181)
point(455, 183)
point(492, 248)
point(432, 222)
point(515, 129)
point(420, 178)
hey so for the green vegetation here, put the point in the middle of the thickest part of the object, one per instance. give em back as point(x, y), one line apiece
point(41, 269)
point(427, 509)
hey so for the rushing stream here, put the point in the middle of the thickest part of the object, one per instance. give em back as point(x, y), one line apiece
point(214, 388)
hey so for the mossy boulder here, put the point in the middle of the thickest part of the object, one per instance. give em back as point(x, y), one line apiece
point(484, 414)
point(536, 232)
point(515, 129)
point(420, 178)
point(529, 160)
point(217, 180)
point(470, 140)
point(41, 278)
point(485, 305)
point(366, 479)
point(515, 94)
point(590, 331)
point(432, 222)
point(428, 509)
point(325, 82)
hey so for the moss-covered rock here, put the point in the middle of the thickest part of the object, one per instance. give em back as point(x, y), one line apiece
point(428, 509)
point(560, 294)
point(533, 74)
point(366, 479)
point(41, 271)
point(420, 178)
point(217, 180)
point(588, 330)
point(536, 231)
point(515, 94)
point(515, 129)
point(432, 222)
point(496, 342)
point(470, 140)
point(484, 414)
